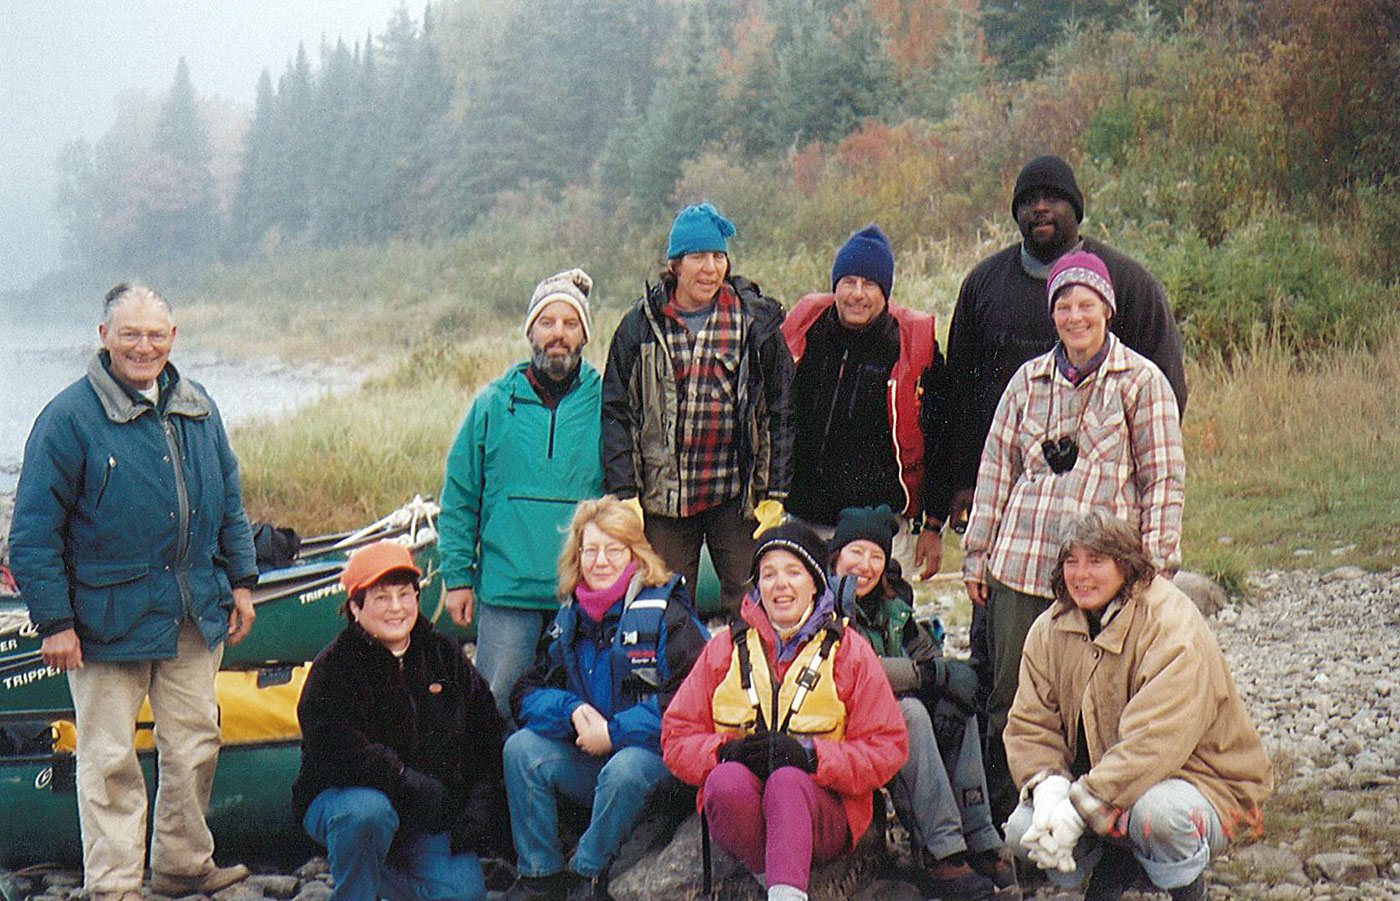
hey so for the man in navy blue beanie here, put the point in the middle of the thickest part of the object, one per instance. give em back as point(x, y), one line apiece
point(862, 364)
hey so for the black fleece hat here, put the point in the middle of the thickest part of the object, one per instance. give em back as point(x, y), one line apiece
point(874, 524)
point(1053, 173)
point(797, 538)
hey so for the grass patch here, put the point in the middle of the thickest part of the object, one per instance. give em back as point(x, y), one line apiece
point(1289, 454)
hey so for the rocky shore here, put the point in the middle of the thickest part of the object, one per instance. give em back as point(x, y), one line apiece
point(1316, 658)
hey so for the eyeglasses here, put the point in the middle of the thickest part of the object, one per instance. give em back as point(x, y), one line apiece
point(617, 554)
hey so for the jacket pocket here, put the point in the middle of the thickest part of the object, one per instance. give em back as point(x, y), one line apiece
point(109, 597)
point(1105, 433)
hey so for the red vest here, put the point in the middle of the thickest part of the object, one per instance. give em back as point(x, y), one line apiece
point(917, 346)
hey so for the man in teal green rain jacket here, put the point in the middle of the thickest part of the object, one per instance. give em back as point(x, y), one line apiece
point(526, 454)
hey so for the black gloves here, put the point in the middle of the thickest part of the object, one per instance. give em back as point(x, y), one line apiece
point(765, 752)
point(423, 802)
point(953, 680)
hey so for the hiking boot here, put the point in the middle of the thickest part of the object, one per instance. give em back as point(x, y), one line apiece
point(1195, 890)
point(947, 880)
point(1117, 870)
point(1001, 871)
point(595, 889)
point(554, 887)
point(174, 886)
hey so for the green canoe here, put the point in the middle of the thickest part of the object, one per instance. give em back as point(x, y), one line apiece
point(250, 808)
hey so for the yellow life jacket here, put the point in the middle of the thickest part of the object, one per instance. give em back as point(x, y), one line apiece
point(806, 702)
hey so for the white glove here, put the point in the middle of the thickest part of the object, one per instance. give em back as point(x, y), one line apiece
point(1045, 797)
point(1062, 834)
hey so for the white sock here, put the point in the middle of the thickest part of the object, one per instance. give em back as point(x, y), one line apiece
point(786, 893)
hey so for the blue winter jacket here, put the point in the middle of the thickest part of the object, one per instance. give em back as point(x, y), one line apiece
point(516, 470)
point(111, 537)
point(628, 666)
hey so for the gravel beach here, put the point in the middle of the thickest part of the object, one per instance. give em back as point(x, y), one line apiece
point(1317, 659)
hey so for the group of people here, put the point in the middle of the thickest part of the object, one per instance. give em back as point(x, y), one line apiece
point(818, 454)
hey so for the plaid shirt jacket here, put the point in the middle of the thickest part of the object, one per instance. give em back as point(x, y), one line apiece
point(1125, 421)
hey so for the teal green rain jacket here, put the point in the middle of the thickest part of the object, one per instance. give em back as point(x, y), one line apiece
point(514, 474)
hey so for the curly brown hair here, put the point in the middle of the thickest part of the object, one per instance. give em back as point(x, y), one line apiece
point(1103, 533)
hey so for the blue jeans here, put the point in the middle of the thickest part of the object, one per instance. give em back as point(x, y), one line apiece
point(1172, 830)
point(941, 798)
point(357, 826)
point(506, 641)
point(540, 770)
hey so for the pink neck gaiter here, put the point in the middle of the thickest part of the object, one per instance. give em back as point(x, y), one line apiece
point(595, 602)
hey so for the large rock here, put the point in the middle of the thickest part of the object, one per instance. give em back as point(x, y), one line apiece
point(1339, 866)
point(675, 871)
point(1205, 591)
point(1268, 863)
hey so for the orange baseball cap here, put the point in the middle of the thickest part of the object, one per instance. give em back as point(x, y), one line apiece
point(373, 562)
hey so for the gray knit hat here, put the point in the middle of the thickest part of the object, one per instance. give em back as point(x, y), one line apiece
point(571, 286)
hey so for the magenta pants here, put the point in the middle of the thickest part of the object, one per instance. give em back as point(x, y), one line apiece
point(779, 828)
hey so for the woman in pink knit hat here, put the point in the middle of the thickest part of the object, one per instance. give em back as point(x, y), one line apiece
point(1090, 425)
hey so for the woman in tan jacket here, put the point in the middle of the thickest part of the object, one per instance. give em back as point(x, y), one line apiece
point(1127, 737)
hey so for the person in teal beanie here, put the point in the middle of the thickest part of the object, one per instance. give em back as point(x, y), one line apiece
point(697, 432)
point(698, 228)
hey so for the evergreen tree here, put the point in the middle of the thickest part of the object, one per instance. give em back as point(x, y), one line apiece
point(684, 114)
point(173, 188)
point(254, 207)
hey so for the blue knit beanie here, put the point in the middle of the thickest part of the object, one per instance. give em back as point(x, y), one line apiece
point(699, 228)
point(866, 253)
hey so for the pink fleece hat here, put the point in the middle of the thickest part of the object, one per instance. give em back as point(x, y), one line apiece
point(1081, 268)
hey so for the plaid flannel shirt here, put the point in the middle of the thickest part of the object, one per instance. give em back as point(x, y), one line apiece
point(707, 384)
point(1130, 463)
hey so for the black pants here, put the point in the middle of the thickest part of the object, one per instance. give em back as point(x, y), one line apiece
point(729, 534)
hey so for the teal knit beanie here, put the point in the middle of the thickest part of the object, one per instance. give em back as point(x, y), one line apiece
point(699, 228)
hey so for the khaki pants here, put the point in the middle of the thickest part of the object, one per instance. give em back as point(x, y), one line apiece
point(111, 788)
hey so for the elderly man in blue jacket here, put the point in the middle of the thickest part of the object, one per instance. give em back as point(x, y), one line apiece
point(134, 556)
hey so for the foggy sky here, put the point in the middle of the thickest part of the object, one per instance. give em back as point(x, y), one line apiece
point(63, 63)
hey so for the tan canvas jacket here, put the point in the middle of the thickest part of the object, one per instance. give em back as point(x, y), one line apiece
point(1158, 702)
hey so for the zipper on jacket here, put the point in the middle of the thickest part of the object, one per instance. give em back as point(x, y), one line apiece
point(182, 544)
point(553, 412)
point(106, 478)
point(831, 409)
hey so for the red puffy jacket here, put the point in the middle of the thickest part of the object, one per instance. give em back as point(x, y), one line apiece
point(875, 745)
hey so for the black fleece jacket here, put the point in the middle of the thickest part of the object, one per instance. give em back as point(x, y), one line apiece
point(371, 719)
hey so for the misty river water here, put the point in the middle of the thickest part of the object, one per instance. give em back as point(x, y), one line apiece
point(39, 356)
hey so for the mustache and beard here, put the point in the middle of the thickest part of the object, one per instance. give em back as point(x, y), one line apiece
point(554, 365)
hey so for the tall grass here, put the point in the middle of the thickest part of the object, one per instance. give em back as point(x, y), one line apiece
point(1294, 461)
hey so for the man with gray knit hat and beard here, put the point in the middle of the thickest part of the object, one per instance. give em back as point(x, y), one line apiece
point(527, 453)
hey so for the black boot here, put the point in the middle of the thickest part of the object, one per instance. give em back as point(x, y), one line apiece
point(952, 879)
point(1195, 890)
point(1000, 870)
point(1116, 871)
point(595, 889)
point(554, 887)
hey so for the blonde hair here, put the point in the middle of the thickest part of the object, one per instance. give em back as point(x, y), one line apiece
point(616, 521)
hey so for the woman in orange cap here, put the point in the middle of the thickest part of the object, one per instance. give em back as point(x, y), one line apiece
point(401, 745)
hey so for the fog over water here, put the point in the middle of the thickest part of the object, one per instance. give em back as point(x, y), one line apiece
point(64, 63)
point(43, 355)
